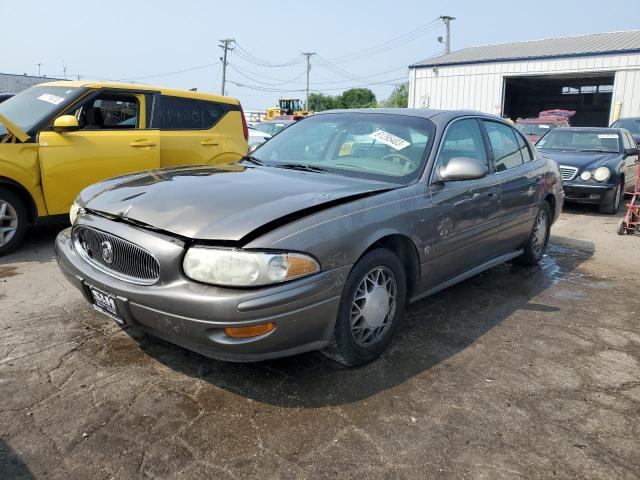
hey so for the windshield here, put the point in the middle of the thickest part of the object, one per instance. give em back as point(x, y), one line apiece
point(376, 146)
point(538, 129)
point(631, 124)
point(580, 140)
point(27, 109)
point(270, 128)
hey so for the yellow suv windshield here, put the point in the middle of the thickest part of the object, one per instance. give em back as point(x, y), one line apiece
point(29, 108)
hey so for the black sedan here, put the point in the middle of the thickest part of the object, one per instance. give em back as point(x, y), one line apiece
point(596, 164)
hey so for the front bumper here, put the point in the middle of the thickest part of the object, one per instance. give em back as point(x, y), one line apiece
point(194, 315)
point(588, 193)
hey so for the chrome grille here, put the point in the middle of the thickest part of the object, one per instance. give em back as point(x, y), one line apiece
point(568, 173)
point(115, 256)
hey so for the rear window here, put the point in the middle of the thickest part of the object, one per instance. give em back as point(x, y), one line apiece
point(580, 141)
point(186, 114)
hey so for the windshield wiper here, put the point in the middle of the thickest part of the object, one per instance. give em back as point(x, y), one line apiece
point(301, 166)
point(252, 159)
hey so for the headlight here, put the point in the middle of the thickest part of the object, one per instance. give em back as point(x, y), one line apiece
point(74, 212)
point(586, 175)
point(239, 268)
point(601, 174)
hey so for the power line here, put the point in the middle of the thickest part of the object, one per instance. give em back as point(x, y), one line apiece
point(281, 82)
point(389, 44)
point(249, 57)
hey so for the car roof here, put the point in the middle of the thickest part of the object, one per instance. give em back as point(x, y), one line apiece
point(412, 112)
point(589, 129)
point(541, 120)
point(137, 87)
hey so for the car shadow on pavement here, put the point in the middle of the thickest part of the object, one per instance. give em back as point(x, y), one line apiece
point(11, 466)
point(37, 245)
point(436, 329)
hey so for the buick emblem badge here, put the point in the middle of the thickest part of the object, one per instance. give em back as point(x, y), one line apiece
point(107, 251)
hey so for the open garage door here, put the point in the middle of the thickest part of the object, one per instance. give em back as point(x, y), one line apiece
point(589, 95)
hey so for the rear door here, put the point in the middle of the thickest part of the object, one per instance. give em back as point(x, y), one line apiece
point(520, 180)
point(113, 139)
point(466, 212)
point(189, 131)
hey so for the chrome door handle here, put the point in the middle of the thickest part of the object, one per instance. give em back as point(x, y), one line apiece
point(142, 143)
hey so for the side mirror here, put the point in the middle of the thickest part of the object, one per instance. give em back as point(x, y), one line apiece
point(630, 151)
point(462, 168)
point(65, 123)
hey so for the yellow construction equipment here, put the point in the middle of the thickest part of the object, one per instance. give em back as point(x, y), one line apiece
point(288, 108)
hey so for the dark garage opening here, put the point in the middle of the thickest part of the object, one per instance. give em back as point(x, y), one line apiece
point(589, 95)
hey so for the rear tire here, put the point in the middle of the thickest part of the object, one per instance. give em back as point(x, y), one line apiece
point(612, 206)
point(371, 308)
point(13, 221)
point(538, 239)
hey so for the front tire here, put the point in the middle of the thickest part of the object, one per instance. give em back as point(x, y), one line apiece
point(538, 239)
point(371, 308)
point(612, 205)
point(13, 221)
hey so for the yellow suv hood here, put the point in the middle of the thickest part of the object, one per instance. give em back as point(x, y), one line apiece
point(14, 129)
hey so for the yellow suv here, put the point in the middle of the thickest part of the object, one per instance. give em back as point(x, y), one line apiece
point(56, 138)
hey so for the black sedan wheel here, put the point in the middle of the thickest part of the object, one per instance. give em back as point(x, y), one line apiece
point(13, 221)
point(612, 204)
point(537, 242)
point(371, 308)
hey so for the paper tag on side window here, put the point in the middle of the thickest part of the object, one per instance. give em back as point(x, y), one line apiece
point(54, 99)
point(389, 139)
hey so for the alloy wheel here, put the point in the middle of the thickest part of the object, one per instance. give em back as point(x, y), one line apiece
point(8, 222)
point(539, 236)
point(374, 306)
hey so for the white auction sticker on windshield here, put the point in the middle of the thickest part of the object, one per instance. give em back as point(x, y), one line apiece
point(543, 126)
point(53, 99)
point(389, 139)
point(608, 135)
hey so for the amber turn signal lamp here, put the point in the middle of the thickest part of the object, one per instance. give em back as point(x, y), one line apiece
point(250, 331)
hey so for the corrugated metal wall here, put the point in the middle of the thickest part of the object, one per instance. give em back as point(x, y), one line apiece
point(480, 86)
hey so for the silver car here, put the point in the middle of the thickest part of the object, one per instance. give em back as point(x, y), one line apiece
point(318, 239)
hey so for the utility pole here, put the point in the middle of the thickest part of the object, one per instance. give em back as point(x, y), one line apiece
point(308, 55)
point(64, 70)
point(447, 42)
point(225, 45)
point(39, 65)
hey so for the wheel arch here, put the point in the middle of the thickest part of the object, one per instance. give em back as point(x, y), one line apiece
point(24, 195)
point(407, 252)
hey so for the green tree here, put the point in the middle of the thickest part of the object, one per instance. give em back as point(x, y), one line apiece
point(319, 102)
point(399, 97)
point(356, 98)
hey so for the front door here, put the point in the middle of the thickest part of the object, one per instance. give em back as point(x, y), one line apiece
point(466, 212)
point(112, 140)
point(630, 163)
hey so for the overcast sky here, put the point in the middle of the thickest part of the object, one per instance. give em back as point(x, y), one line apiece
point(359, 41)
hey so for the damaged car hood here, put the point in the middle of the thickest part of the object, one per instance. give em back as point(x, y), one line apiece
point(222, 203)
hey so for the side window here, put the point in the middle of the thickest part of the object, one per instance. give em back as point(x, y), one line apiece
point(524, 149)
point(186, 114)
point(212, 113)
point(180, 114)
point(463, 139)
point(109, 112)
point(632, 140)
point(626, 141)
point(504, 145)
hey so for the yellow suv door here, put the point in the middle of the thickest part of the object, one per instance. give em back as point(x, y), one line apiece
point(195, 131)
point(112, 138)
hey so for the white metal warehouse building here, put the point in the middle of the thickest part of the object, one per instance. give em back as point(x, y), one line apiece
point(596, 75)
